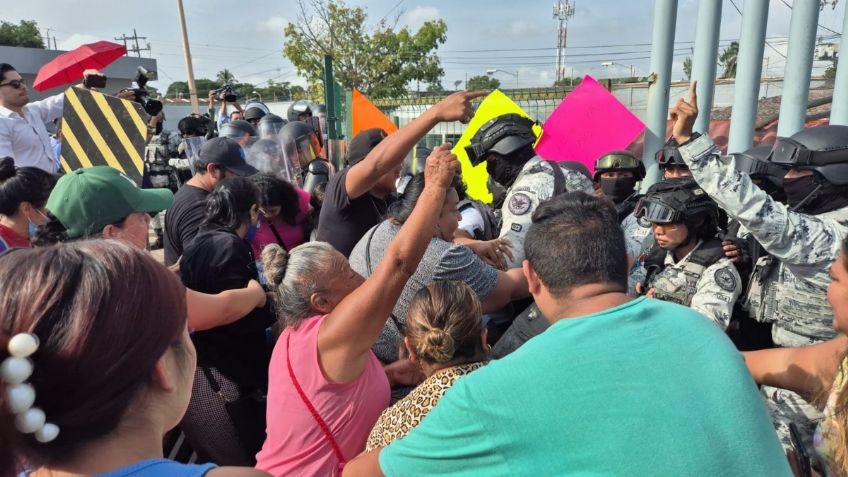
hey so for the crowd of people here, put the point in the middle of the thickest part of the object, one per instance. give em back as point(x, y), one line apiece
point(375, 320)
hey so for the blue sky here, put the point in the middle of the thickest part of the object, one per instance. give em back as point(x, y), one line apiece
point(247, 38)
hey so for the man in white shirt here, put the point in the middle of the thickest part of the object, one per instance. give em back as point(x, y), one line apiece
point(22, 132)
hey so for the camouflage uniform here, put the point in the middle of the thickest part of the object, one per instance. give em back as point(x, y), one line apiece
point(638, 240)
point(710, 289)
point(793, 294)
point(534, 185)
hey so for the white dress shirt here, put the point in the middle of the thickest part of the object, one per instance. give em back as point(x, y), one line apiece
point(26, 139)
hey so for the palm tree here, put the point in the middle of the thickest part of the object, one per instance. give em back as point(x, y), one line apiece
point(687, 67)
point(225, 77)
point(727, 60)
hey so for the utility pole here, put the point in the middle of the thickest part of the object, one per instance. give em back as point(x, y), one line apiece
point(563, 10)
point(133, 49)
point(192, 90)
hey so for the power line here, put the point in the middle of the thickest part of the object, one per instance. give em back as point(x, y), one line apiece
point(819, 24)
point(733, 2)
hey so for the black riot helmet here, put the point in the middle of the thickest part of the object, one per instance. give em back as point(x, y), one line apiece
point(300, 110)
point(823, 149)
point(299, 139)
point(669, 155)
point(236, 129)
point(619, 161)
point(679, 201)
point(270, 125)
point(504, 135)
point(192, 125)
point(754, 162)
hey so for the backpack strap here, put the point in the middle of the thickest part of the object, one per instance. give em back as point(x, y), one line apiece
point(708, 253)
point(559, 177)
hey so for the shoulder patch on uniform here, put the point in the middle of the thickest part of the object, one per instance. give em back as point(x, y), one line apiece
point(515, 227)
point(520, 203)
point(725, 279)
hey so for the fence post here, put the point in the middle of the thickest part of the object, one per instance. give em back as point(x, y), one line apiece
point(799, 63)
point(750, 67)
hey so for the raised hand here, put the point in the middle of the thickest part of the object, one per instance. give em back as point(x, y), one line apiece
point(457, 106)
point(441, 167)
point(684, 115)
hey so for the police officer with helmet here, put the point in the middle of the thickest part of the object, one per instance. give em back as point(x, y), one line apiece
point(505, 144)
point(803, 237)
point(300, 141)
point(687, 263)
point(618, 172)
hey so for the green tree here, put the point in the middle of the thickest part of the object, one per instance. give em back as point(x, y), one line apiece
point(225, 76)
point(727, 60)
point(24, 34)
point(483, 82)
point(203, 87)
point(379, 61)
point(687, 67)
point(568, 82)
point(830, 72)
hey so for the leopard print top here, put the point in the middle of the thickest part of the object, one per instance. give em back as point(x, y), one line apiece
point(398, 420)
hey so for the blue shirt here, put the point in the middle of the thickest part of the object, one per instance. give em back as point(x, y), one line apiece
point(645, 388)
point(156, 468)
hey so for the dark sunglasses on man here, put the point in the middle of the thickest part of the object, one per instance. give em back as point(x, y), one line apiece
point(16, 84)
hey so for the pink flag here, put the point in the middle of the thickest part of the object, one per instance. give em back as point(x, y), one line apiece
point(587, 123)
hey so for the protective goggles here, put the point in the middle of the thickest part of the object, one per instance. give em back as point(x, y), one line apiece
point(758, 167)
point(669, 155)
point(617, 161)
point(791, 153)
point(650, 212)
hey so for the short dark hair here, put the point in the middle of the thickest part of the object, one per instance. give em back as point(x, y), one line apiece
point(402, 209)
point(229, 204)
point(5, 68)
point(576, 239)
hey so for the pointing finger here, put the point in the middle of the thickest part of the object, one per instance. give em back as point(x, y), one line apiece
point(693, 93)
point(469, 95)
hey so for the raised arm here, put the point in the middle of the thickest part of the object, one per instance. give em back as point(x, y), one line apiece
point(392, 150)
point(806, 371)
point(354, 325)
point(801, 241)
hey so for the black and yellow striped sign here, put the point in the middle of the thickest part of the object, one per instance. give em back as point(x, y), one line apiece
point(102, 130)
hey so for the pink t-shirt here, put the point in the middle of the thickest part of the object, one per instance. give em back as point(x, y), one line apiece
point(292, 235)
point(295, 444)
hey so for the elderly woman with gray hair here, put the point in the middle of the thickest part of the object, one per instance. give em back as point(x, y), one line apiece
point(326, 387)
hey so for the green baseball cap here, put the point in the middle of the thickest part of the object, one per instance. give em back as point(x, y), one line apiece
point(87, 200)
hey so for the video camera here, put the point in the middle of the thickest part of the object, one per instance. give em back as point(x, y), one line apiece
point(230, 95)
point(142, 76)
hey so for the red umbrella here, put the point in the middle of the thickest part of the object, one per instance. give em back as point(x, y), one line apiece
point(69, 66)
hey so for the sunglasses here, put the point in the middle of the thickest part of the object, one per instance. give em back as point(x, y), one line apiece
point(617, 161)
point(16, 84)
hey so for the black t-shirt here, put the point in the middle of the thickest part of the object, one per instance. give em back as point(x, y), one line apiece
point(343, 221)
point(182, 221)
point(217, 260)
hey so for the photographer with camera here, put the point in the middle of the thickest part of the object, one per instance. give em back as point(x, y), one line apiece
point(226, 95)
point(23, 134)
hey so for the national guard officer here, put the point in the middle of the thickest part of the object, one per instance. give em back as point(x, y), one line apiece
point(687, 264)
point(803, 237)
point(505, 143)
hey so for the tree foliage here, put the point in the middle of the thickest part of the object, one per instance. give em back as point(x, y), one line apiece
point(568, 81)
point(687, 67)
point(727, 60)
point(24, 34)
point(379, 61)
point(484, 82)
point(273, 91)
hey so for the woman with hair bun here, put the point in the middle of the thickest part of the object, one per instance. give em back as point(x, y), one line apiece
point(96, 367)
point(23, 195)
point(446, 337)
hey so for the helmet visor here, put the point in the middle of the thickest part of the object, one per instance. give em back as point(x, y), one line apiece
point(669, 155)
point(617, 161)
point(650, 212)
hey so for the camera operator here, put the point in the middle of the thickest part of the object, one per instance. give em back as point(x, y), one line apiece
point(224, 94)
point(23, 134)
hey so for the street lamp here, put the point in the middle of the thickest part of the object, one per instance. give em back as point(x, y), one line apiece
point(258, 95)
point(607, 64)
point(493, 71)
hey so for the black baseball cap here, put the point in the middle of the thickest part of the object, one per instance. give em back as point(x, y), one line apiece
point(226, 154)
point(364, 143)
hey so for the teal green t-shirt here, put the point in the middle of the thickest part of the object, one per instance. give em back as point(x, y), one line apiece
point(647, 388)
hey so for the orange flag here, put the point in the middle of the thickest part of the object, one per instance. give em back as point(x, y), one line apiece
point(366, 115)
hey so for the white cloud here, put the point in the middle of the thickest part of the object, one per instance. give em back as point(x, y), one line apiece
point(419, 15)
point(76, 40)
point(273, 25)
point(521, 29)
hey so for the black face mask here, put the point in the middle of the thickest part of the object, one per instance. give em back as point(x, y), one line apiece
point(618, 189)
point(828, 197)
point(503, 172)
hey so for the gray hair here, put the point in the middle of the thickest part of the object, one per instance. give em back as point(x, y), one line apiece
point(295, 276)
